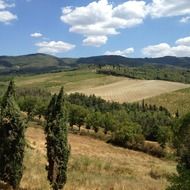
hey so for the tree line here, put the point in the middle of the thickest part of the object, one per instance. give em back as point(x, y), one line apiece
point(149, 72)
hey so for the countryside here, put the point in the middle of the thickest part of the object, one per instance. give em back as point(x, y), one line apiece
point(94, 95)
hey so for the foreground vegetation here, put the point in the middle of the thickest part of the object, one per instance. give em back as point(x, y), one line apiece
point(126, 125)
point(12, 140)
point(144, 121)
point(95, 164)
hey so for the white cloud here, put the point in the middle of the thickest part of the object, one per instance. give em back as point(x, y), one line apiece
point(54, 47)
point(184, 41)
point(185, 19)
point(67, 10)
point(158, 50)
point(96, 41)
point(101, 18)
point(131, 10)
point(124, 53)
point(182, 49)
point(36, 35)
point(5, 15)
point(4, 5)
point(168, 8)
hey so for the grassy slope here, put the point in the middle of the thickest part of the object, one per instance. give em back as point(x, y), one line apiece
point(95, 165)
point(72, 80)
point(87, 81)
point(178, 100)
point(129, 90)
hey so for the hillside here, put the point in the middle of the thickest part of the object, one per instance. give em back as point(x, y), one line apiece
point(133, 62)
point(41, 63)
point(129, 90)
point(174, 101)
point(94, 165)
point(33, 63)
point(120, 89)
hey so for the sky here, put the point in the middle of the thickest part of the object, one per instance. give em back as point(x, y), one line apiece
point(82, 28)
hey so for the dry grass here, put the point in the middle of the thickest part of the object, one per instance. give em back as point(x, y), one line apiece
point(130, 90)
point(95, 165)
point(72, 80)
point(178, 100)
point(120, 89)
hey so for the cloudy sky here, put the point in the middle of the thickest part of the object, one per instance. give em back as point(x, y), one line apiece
point(73, 28)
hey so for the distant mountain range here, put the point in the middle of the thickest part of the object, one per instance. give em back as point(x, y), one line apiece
point(41, 63)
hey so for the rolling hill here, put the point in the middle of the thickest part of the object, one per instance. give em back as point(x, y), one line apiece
point(94, 165)
point(87, 81)
point(41, 63)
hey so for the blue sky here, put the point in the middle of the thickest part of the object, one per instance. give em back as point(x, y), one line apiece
point(72, 28)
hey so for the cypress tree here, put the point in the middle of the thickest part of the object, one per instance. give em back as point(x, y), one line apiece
point(12, 141)
point(57, 143)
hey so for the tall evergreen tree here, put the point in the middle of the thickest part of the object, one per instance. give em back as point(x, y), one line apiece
point(12, 141)
point(57, 142)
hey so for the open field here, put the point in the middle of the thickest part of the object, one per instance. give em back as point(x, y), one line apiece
point(71, 80)
point(120, 89)
point(173, 101)
point(95, 165)
point(130, 90)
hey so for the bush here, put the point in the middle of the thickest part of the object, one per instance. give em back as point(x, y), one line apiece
point(129, 135)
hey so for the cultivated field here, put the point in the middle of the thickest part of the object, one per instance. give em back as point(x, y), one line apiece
point(71, 80)
point(130, 90)
point(95, 165)
point(112, 88)
point(173, 101)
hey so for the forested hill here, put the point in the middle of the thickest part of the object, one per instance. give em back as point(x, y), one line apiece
point(41, 63)
point(33, 63)
point(115, 60)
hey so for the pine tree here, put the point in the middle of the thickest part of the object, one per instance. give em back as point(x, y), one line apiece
point(12, 141)
point(57, 143)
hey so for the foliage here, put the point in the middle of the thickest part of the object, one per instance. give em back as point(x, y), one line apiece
point(34, 101)
point(77, 115)
point(180, 181)
point(94, 121)
point(108, 115)
point(12, 141)
point(128, 134)
point(149, 72)
point(57, 142)
point(182, 142)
